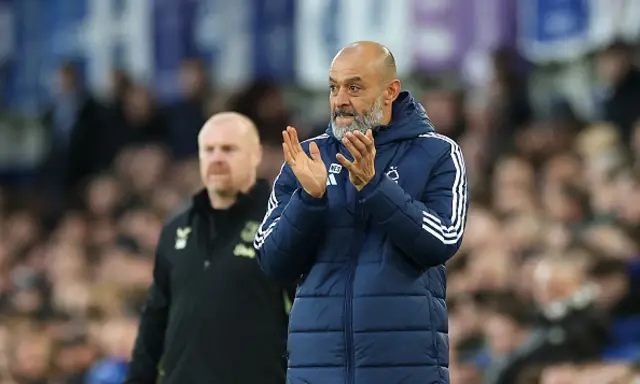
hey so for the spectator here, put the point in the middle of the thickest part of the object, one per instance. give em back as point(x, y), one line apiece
point(135, 120)
point(622, 81)
point(569, 328)
point(74, 122)
point(189, 113)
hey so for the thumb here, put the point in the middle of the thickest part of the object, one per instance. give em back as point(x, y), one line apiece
point(314, 151)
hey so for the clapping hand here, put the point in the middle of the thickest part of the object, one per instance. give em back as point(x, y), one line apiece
point(363, 150)
point(310, 171)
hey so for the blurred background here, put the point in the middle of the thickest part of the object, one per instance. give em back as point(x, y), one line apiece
point(101, 102)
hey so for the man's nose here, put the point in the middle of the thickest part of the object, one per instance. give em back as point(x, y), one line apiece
point(217, 156)
point(342, 98)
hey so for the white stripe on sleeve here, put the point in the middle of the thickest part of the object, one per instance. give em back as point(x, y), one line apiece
point(450, 234)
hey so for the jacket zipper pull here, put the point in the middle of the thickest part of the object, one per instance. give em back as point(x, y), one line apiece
point(206, 264)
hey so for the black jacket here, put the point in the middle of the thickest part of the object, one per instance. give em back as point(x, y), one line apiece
point(211, 315)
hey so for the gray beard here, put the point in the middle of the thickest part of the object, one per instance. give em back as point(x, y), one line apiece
point(361, 123)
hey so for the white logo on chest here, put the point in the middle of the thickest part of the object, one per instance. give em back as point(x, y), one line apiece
point(393, 174)
point(333, 170)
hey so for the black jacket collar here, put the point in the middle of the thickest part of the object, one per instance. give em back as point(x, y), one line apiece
point(256, 198)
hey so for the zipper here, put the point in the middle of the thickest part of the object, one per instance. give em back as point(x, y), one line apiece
point(353, 262)
point(348, 329)
point(207, 236)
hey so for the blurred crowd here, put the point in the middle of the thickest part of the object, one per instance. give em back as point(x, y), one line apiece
point(546, 288)
point(76, 245)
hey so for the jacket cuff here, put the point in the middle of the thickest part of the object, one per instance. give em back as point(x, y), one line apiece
point(381, 197)
point(307, 199)
point(371, 187)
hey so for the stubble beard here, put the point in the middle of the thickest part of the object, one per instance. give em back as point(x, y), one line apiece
point(361, 122)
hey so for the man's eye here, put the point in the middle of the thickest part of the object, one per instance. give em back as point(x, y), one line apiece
point(354, 88)
point(332, 88)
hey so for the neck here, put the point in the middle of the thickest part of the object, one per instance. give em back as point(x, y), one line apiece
point(222, 200)
point(386, 116)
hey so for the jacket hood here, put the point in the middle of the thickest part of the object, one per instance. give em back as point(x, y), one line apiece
point(408, 120)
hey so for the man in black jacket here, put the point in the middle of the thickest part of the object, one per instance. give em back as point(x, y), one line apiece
point(211, 315)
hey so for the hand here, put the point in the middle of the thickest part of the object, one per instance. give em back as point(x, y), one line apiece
point(310, 171)
point(363, 150)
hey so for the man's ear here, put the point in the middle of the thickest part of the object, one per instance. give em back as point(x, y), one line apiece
point(392, 91)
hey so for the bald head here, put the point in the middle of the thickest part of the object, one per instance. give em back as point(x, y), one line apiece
point(375, 54)
point(246, 128)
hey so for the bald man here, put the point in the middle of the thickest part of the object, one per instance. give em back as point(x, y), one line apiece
point(365, 216)
point(212, 316)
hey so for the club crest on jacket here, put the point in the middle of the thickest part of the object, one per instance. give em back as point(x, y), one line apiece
point(249, 231)
point(182, 234)
point(393, 174)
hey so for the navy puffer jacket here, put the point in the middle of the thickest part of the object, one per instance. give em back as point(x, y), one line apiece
point(371, 305)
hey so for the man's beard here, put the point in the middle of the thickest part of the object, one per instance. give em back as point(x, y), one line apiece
point(361, 122)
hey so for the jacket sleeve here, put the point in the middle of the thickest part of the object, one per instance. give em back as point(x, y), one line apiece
point(149, 345)
point(429, 231)
point(286, 239)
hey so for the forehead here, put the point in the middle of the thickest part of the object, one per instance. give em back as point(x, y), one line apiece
point(351, 67)
point(224, 132)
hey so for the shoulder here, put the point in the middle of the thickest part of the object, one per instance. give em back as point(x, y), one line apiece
point(438, 146)
point(320, 140)
point(177, 219)
point(436, 142)
point(179, 214)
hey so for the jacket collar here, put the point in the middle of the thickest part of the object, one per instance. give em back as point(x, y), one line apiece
point(257, 195)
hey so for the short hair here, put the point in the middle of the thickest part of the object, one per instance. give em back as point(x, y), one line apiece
point(390, 64)
point(507, 304)
point(233, 116)
point(607, 267)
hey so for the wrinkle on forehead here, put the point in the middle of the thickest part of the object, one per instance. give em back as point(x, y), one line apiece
point(346, 67)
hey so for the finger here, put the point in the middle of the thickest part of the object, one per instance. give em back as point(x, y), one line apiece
point(288, 156)
point(358, 140)
point(345, 163)
point(352, 149)
point(294, 140)
point(288, 147)
point(370, 135)
point(366, 139)
point(315, 152)
point(286, 138)
point(285, 152)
